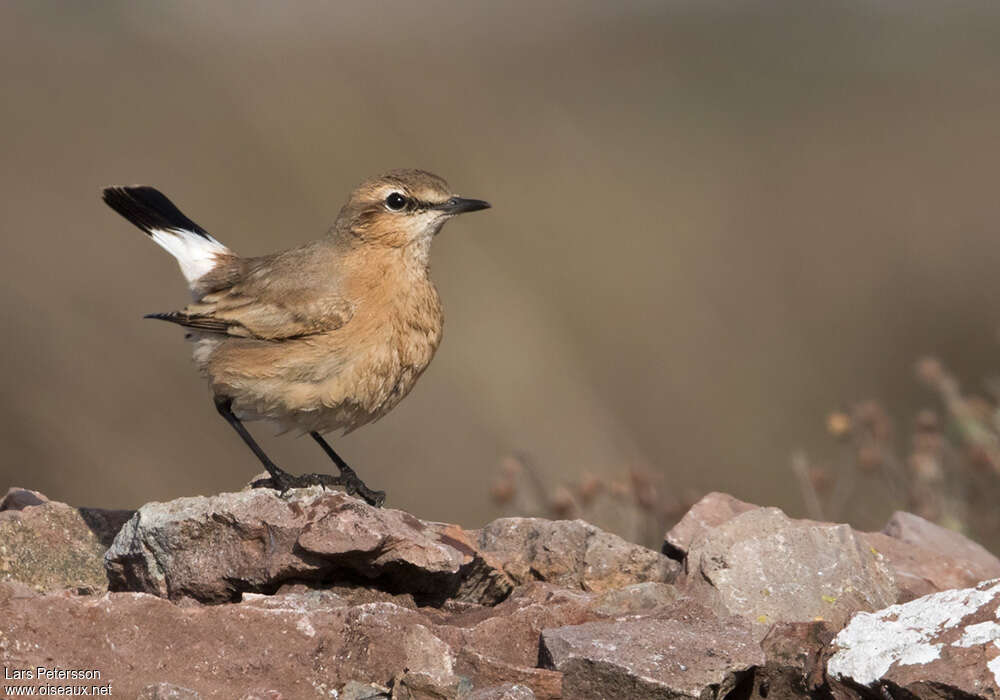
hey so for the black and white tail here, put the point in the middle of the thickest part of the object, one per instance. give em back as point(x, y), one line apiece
point(146, 207)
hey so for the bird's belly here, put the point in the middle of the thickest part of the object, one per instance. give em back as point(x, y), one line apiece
point(315, 384)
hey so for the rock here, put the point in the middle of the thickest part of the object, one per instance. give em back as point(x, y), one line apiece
point(765, 567)
point(293, 646)
point(978, 563)
point(214, 549)
point(507, 691)
point(571, 553)
point(354, 690)
point(167, 691)
point(919, 571)
point(510, 633)
point(943, 645)
point(545, 684)
point(50, 545)
point(383, 639)
point(17, 498)
point(635, 599)
point(302, 643)
point(711, 511)
point(794, 662)
point(688, 652)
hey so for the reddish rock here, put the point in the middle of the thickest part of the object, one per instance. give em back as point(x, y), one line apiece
point(972, 561)
point(509, 632)
point(572, 554)
point(766, 568)
point(794, 661)
point(51, 546)
point(296, 646)
point(545, 684)
point(214, 549)
point(943, 645)
point(686, 653)
point(919, 571)
point(711, 511)
point(300, 644)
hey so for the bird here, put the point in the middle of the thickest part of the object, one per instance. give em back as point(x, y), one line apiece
point(323, 337)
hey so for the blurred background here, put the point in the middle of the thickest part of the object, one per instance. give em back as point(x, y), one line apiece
point(724, 234)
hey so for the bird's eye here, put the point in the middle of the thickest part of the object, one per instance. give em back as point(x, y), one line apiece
point(395, 201)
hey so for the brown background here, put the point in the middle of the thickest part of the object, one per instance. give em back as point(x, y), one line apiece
point(713, 223)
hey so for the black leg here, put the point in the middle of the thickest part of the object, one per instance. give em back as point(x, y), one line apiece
point(282, 480)
point(225, 408)
point(351, 481)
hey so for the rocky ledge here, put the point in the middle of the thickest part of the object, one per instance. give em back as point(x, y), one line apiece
point(252, 595)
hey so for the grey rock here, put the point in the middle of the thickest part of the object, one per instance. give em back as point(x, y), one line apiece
point(571, 553)
point(53, 546)
point(635, 599)
point(507, 691)
point(767, 568)
point(167, 691)
point(354, 690)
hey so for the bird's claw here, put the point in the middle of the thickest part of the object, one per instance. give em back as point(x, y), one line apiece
point(350, 483)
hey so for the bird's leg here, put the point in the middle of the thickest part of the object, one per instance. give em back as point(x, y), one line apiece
point(282, 480)
point(224, 406)
point(348, 478)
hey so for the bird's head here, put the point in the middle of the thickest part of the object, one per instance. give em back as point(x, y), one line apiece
point(402, 208)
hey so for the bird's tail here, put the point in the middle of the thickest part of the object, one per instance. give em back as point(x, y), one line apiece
point(197, 252)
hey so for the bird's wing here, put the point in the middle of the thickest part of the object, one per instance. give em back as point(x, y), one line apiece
point(276, 298)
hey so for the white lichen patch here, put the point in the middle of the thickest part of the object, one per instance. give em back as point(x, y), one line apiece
point(994, 664)
point(904, 634)
point(982, 633)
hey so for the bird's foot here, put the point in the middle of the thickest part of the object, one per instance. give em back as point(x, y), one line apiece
point(349, 482)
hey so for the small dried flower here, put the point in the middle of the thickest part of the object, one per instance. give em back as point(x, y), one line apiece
point(838, 424)
point(502, 490)
point(930, 370)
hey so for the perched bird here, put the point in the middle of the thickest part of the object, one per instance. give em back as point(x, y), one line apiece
point(327, 336)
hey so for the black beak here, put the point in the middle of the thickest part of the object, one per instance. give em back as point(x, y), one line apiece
point(460, 205)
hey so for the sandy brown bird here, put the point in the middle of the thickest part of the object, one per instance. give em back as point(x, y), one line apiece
point(324, 337)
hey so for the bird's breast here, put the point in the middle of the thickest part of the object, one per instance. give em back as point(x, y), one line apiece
point(392, 345)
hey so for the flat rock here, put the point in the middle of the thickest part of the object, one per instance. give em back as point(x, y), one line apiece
point(765, 567)
point(213, 549)
point(711, 511)
point(943, 645)
point(571, 553)
point(50, 545)
point(976, 561)
point(295, 646)
point(689, 652)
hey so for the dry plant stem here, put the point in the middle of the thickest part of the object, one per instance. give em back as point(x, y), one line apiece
point(846, 478)
point(800, 467)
